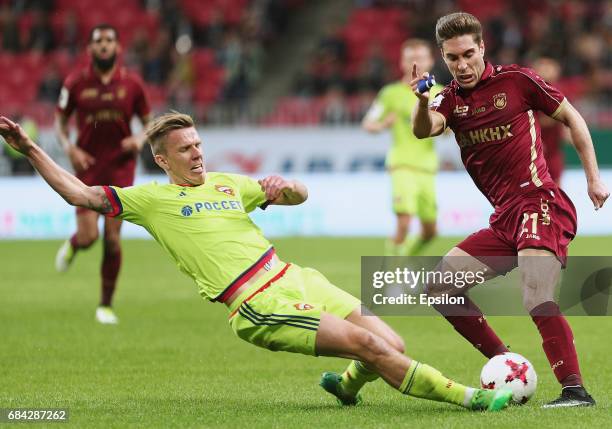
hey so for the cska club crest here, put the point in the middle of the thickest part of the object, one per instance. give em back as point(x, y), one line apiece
point(303, 306)
point(499, 100)
point(225, 189)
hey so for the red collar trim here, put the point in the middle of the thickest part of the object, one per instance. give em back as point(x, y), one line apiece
point(488, 71)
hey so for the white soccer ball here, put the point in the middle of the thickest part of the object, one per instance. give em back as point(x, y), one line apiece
point(511, 371)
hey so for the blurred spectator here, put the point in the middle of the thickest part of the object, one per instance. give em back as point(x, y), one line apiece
point(578, 34)
point(211, 35)
point(41, 34)
point(242, 64)
point(374, 70)
point(334, 107)
point(136, 54)
point(70, 33)
point(181, 82)
point(50, 85)
point(10, 30)
point(157, 63)
point(326, 70)
point(332, 43)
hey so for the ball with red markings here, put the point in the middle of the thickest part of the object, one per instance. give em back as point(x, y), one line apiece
point(510, 371)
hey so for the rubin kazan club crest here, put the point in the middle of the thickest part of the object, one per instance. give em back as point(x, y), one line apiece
point(499, 100)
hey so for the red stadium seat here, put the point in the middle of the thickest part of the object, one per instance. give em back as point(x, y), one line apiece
point(203, 59)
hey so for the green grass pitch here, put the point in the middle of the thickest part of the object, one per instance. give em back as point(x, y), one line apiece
point(174, 362)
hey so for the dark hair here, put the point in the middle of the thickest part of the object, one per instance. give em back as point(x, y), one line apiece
point(103, 26)
point(458, 24)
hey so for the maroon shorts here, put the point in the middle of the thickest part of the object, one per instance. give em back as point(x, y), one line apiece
point(98, 176)
point(541, 219)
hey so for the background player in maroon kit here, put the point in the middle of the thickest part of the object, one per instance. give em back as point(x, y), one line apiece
point(105, 97)
point(552, 131)
point(491, 110)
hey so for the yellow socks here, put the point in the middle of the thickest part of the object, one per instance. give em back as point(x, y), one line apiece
point(423, 381)
point(355, 376)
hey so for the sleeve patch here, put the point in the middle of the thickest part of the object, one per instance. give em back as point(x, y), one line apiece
point(112, 196)
point(437, 101)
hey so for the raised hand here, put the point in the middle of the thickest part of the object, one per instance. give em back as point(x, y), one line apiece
point(275, 186)
point(414, 82)
point(15, 136)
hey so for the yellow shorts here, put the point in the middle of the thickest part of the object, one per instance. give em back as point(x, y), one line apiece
point(285, 316)
point(414, 193)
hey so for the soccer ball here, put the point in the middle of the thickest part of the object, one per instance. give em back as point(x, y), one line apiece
point(511, 371)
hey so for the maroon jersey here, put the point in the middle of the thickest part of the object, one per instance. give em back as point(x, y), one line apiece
point(496, 128)
point(103, 114)
point(552, 135)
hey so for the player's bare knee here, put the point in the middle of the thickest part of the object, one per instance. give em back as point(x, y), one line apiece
point(397, 343)
point(435, 286)
point(86, 238)
point(535, 294)
point(370, 347)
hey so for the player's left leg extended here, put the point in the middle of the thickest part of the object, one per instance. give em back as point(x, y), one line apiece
point(300, 311)
point(341, 338)
point(540, 270)
point(111, 263)
point(346, 386)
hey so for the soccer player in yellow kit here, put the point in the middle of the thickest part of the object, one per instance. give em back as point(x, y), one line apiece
point(201, 220)
point(412, 163)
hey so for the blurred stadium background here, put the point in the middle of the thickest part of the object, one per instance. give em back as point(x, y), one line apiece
point(275, 86)
point(281, 86)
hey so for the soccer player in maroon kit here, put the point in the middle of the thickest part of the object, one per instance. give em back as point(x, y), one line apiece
point(491, 110)
point(105, 97)
point(552, 131)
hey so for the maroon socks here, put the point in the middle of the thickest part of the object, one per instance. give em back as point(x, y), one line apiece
point(558, 343)
point(111, 263)
point(468, 320)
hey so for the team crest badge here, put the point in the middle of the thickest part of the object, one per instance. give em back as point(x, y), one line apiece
point(225, 189)
point(302, 306)
point(499, 100)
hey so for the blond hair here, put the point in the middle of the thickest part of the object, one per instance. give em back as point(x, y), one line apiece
point(458, 24)
point(160, 127)
point(416, 43)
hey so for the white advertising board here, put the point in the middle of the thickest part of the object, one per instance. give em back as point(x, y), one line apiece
point(356, 204)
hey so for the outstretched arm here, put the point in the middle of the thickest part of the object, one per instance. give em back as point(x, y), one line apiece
point(283, 192)
point(425, 122)
point(581, 139)
point(79, 159)
point(70, 188)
